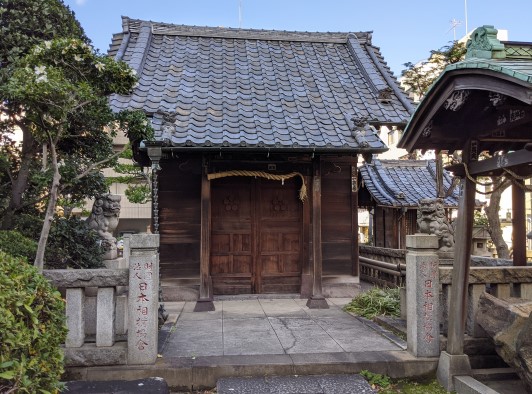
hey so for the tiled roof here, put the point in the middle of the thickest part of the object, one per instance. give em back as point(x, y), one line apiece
point(221, 87)
point(402, 183)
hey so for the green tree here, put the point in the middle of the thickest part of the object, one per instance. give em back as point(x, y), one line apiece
point(23, 24)
point(417, 78)
point(64, 85)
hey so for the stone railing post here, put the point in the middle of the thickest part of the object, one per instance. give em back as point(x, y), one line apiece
point(143, 301)
point(422, 295)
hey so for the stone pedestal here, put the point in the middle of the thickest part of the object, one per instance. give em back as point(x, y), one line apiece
point(143, 299)
point(422, 295)
point(317, 302)
point(451, 365)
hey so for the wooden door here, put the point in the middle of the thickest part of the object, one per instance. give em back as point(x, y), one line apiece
point(256, 239)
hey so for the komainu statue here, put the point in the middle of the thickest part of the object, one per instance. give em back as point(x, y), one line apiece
point(104, 220)
point(431, 219)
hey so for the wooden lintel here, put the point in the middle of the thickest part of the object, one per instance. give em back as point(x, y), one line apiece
point(496, 164)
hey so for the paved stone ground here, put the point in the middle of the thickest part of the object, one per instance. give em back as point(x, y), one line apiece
point(324, 384)
point(262, 326)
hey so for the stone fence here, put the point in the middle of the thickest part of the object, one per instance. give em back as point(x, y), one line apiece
point(112, 313)
point(428, 290)
point(501, 282)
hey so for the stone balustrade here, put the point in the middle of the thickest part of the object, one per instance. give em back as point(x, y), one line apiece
point(502, 282)
point(112, 313)
point(428, 291)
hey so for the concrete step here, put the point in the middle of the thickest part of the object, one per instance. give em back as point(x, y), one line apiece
point(470, 385)
point(325, 384)
point(495, 374)
point(187, 373)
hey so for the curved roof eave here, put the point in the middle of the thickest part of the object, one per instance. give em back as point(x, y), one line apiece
point(460, 76)
point(500, 67)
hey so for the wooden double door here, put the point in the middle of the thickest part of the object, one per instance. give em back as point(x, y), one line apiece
point(256, 238)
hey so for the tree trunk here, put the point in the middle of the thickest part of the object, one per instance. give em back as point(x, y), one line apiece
point(50, 210)
point(500, 184)
point(20, 182)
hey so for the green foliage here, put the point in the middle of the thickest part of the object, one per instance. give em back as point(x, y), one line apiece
point(480, 219)
point(73, 244)
point(375, 379)
point(15, 244)
point(137, 181)
point(419, 77)
point(32, 329)
point(64, 86)
point(376, 302)
point(25, 23)
point(407, 386)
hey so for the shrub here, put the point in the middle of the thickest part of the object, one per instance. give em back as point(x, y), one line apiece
point(14, 243)
point(32, 328)
point(72, 244)
point(376, 302)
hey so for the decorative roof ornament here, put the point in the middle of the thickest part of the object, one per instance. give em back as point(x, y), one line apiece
point(427, 131)
point(385, 95)
point(497, 99)
point(457, 100)
point(484, 44)
point(359, 122)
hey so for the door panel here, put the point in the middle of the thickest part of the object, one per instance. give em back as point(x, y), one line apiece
point(280, 232)
point(232, 236)
point(256, 236)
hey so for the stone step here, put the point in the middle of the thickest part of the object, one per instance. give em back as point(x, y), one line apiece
point(186, 373)
point(494, 374)
point(326, 384)
point(470, 385)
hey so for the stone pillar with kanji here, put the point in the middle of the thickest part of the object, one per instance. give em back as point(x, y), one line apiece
point(422, 295)
point(143, 300)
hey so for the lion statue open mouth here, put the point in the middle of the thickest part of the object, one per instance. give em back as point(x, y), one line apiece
point(104, 220)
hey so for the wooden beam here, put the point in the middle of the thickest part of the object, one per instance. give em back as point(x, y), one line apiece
point(518, 223)
point(462, 259)
point(354, 219)
point(316, 300)
point(496, 164)
point(205, 297)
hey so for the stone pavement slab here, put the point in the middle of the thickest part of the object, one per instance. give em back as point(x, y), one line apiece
point(299, 335)
point(250, 336)
point(316, 384)
point(254, 326)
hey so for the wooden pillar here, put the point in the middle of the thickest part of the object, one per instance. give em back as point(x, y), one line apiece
point(306, 266)
point(354, 218)
point(462, 259)
point(316, 300)
point(205, 297)
point(453, 361)
point(518, 223)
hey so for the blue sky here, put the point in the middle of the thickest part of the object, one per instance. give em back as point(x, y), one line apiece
point(404, 30)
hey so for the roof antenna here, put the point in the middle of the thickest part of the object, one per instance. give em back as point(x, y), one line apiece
point(240, 14)
point(454, 24)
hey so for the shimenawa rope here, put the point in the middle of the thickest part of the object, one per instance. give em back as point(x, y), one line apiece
point(264, 174)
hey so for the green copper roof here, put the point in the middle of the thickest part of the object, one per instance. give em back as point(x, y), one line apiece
point(490, 67)
point(485, 51)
